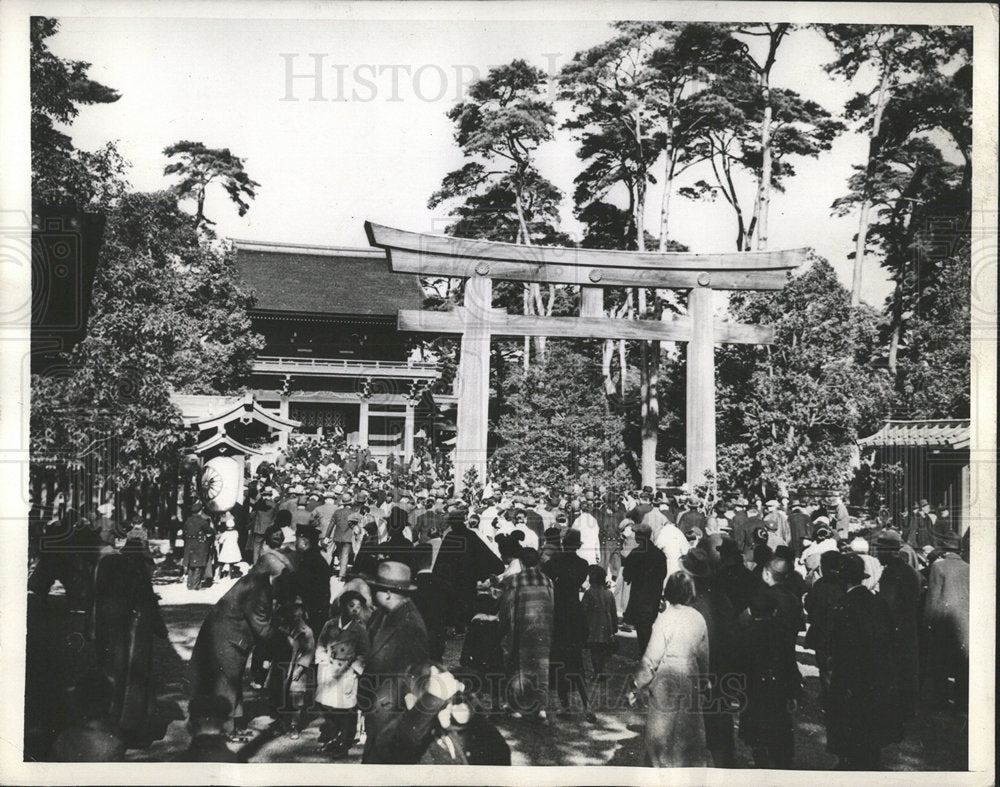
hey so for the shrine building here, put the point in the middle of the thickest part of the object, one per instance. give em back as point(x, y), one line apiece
point(333, 358)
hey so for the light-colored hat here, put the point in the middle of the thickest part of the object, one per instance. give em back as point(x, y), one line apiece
point(859, 546)
point(771, 503)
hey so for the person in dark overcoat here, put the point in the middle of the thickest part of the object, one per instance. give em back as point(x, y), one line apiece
point(645, 569)
point(463, 560)
point(946, 622)
point(775, 582)
point(397, 547)
point(398, 640)
point(862, 714)
point(199, 536)
point(311, 577)
point(431, 598)
point(126, 620)
point(772, 685)
point(820, 602)
point(568, 572)
point(723, 658)
point(899, 585)
point(733, 577)
point(240, 620)
point(799, 527)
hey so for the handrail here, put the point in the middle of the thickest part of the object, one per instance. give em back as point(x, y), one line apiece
point(344, 363)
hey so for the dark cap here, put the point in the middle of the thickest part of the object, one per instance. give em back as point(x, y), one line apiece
point(696, 563)
point(852, 569)
point(572, 539)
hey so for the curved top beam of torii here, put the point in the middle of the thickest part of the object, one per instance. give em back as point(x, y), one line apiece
point(592, 269)
point(441, 255)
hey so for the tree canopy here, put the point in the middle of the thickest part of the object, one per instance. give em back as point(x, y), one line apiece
point(199, 166)
point(60, 173)
point(167, 315)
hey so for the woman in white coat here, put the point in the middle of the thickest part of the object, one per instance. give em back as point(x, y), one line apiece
point(590, 535)
point(668, 672)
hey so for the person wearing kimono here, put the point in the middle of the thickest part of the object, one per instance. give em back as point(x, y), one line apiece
point(668, 672)
point(526, 619)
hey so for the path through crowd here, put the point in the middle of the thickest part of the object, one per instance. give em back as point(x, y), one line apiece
point(935, 741)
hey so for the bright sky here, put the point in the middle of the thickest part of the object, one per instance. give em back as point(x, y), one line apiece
point(326, 166)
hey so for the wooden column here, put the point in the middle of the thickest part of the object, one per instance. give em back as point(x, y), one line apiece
point(408, 433)
point(283, 413)
point(363, 423)
point(591, 301)
point(964, 500)
point(474, 382)
point(700, 387)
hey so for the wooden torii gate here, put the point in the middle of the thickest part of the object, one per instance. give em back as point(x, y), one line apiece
point(592, 269)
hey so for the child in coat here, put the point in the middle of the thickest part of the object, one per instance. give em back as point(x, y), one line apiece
point(602, 620)
point(228, 548)
point(340, 655)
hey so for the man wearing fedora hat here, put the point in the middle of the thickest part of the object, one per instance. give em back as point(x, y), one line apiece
point(862, 705)
point(397, 633)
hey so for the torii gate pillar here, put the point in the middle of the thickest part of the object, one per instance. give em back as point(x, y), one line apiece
point(474, 384)
point(700, 388)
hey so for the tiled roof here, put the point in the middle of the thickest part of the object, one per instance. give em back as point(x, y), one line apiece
point(932, 434)
point(325, 280)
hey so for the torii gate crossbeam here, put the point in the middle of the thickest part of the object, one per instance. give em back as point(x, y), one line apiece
point(477, 321)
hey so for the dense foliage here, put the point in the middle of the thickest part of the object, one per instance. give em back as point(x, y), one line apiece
point(558, 427)
point(167, 314)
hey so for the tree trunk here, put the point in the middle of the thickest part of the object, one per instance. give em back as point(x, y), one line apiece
point(668, 187)
point(650, 351)
point(622, 368)
point(764, 188)
point(199, 217)
point(533, 290)
point(607, 352)
point(874, 145)
point(650, 409)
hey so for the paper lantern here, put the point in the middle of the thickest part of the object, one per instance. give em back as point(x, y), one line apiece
point(220, 484)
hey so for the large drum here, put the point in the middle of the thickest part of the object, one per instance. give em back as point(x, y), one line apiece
point(221, 479)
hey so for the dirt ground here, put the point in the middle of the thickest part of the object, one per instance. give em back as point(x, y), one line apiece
point(936, 741)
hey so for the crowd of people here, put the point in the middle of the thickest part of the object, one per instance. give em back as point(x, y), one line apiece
point(352, 580)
